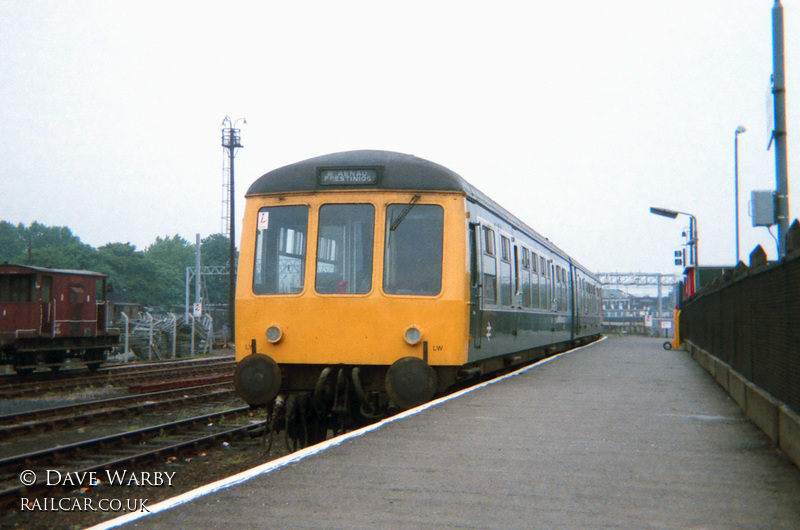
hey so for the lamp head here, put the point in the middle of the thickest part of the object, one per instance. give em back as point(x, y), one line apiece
point(664, 212)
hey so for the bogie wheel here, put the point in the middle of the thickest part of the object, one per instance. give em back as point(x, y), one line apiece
point(24, 364)
point(54, 360)
point(94, 359)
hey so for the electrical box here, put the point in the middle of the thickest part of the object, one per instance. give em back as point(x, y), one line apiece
point(762, 207)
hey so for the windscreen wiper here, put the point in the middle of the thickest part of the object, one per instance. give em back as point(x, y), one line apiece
point(403, 214)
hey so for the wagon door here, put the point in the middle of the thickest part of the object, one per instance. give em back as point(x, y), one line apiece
point(46, 303)
point(101, 305)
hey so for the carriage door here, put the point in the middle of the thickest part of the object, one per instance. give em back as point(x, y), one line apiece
point(46, 302)
point(476, 287)
point(574, 300)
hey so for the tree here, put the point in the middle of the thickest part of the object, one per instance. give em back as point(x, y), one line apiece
point(170, 257)
point(216, 253)
point(12, 243)
point(55, 247)
point(153, 277)
point(133, 278)
point(76, 256)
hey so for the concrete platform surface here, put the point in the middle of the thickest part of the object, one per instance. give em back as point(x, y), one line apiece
point(619, 434)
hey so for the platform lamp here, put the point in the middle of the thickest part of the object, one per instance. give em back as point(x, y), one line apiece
point(672, 214)
point(739, 130)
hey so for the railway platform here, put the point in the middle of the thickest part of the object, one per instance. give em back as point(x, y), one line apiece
point(620, 434)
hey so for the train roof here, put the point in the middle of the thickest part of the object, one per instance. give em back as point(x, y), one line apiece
point(382, 170)
point(9, 268)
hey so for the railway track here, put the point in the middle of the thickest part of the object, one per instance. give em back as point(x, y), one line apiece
point(25, 475)
point(69, 416)
point(121, 376)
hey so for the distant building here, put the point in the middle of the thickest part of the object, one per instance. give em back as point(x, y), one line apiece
point(624, 313)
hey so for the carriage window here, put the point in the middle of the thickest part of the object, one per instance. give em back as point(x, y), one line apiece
point(505, 271)
point(16, 288)
point(489, 266)
point(525, 274)
point(535, 281)
point(413, 253)
point(280, 260)
point(344, 248)
point(506, 248)
point(75, 293)
point(488, 241)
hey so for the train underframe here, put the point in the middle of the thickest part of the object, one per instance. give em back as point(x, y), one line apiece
point(315, 400)
point(26, 353)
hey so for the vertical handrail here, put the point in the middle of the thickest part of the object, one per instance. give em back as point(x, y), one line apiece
point(127, 337)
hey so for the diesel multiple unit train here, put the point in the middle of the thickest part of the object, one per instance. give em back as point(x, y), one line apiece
point(371, 280)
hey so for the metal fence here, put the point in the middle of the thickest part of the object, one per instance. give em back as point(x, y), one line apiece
point(752, 323)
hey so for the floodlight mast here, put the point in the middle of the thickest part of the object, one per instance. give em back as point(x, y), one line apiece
point(231, 141)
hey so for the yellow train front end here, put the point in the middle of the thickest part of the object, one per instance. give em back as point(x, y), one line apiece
point(351, 295)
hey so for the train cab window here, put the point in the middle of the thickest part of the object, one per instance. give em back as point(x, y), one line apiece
point(413, 249)
point(344, 248)
point(280, 259)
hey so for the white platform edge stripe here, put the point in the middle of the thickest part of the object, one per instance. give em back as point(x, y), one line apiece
point(309, 451)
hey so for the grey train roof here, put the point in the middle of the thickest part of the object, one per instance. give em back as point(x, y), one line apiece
point(397, 171)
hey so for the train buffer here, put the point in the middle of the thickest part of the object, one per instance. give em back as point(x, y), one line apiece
point(619, 434)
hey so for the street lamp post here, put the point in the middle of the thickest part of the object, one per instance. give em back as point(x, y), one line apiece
point(739, 130)
point(693, 260)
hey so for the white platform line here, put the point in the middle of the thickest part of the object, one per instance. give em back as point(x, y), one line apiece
point(309, 451)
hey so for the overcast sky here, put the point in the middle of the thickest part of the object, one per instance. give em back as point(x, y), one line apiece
point(577, 116)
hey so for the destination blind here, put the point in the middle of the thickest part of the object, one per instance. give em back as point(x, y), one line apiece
point(348, 177)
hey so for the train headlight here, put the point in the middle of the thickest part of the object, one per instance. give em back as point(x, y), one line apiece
point(274, 334)
point(413, 336)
